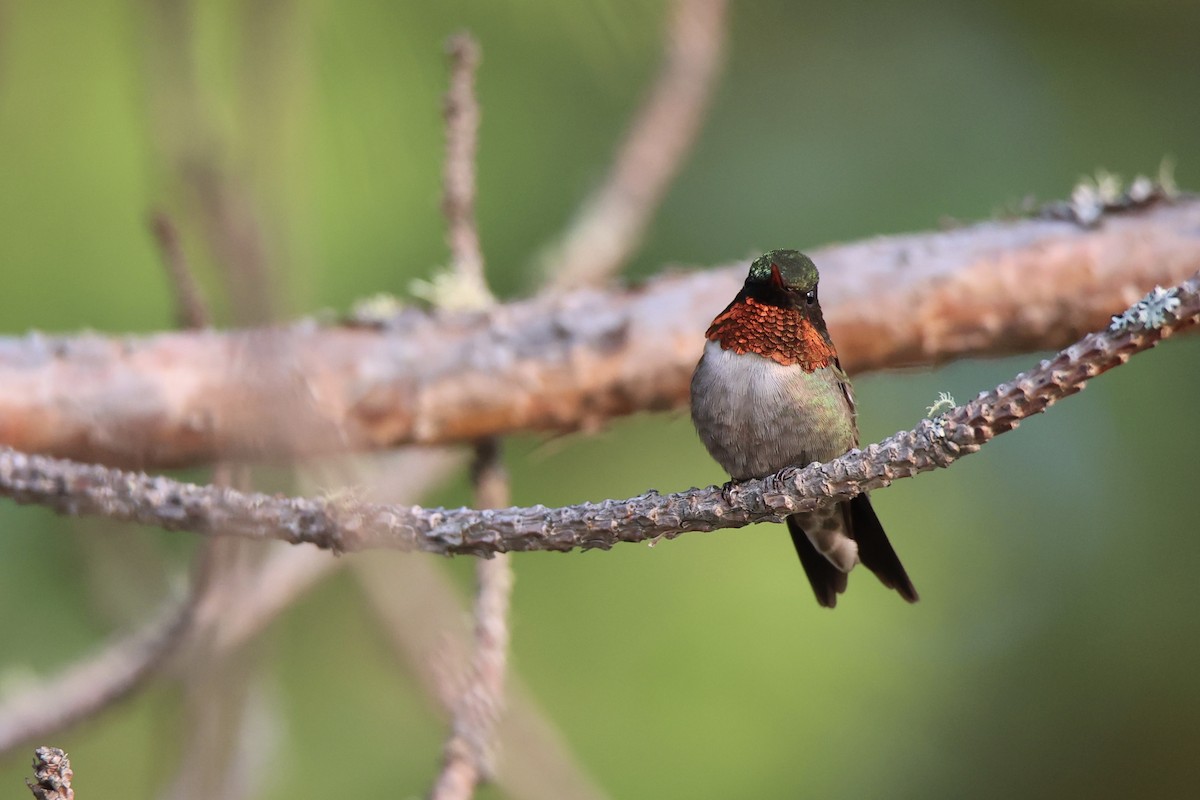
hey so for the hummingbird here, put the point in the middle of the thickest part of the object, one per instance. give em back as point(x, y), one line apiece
point(769, 392)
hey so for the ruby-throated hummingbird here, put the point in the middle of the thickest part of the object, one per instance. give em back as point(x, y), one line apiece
point(769, 392)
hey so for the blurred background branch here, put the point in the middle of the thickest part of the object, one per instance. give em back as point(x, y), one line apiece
point(609, 226)
point(33, 712)
point(421, 613)
point(222, 714)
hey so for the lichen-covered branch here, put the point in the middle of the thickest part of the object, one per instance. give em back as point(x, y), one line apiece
point(566, 362)
point(73, 488)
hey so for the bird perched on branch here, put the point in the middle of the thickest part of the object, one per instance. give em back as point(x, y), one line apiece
point(768, 393)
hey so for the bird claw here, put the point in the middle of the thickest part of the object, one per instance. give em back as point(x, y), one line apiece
point(729, 492)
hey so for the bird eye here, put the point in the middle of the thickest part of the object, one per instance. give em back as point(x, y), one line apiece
point(810, 296)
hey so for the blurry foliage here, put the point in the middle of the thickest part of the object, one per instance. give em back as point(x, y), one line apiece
point(1055, 647)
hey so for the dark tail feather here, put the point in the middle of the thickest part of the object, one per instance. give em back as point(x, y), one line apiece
point(827, 580)
point(874, 549)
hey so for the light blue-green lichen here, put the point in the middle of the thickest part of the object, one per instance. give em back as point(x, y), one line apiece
point(1154, 310)
point(945, 400)
point(1104, 191)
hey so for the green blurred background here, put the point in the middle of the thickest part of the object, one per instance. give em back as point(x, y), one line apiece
point(1056, 647)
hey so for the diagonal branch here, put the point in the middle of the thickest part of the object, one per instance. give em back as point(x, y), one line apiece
point(191, 311)
point(421, 612)
point(34, 711)
point(72, 488)
point(612, 221)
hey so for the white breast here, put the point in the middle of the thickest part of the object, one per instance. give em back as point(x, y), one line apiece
point(757, 416)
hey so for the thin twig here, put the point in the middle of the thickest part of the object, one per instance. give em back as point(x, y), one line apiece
point(612, 221)
point(466, 757)
point(191, 311)
point(99, 681)
point(227, 729)
point(565, 362)
point(73, 488)
point(215, 692)
point(211, 718)
point(461, 112)
point(230, 220)
point(421, 613)
point(215, 686)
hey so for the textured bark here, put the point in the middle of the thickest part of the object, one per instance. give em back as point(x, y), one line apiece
point(53, 774)
point(565, 362)
point(74, 488)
